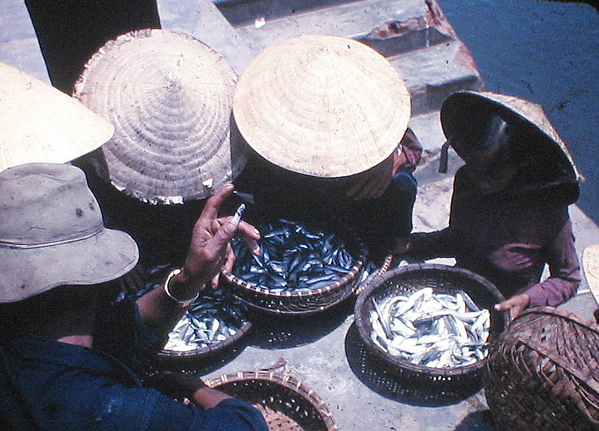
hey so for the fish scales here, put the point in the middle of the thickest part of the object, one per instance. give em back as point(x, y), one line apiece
point(435, 329)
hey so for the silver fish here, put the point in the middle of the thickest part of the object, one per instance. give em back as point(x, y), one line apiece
point(431, 328)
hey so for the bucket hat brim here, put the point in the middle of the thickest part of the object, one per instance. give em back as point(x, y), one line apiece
point(101, 258)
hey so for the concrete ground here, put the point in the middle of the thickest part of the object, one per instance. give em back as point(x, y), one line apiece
point(323, 351)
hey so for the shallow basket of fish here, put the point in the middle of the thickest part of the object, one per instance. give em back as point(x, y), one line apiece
point(430, 323)
point(543, 373)
point(213, 323)
point(301, 270)
point(286, 403)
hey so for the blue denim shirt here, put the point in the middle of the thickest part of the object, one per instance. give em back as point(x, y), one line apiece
point(45, 384)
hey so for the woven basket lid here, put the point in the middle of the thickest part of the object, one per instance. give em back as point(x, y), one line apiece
point(458, 109)
point(324, 106)
point(170, 99)
point(42, 124)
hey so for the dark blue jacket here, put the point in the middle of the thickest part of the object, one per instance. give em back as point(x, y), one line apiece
point(48, 385)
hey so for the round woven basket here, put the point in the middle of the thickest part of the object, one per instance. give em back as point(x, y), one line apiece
point(286, 403)
point(543, 373)
point(140, 281)
point(302, 301)
point(408, 279)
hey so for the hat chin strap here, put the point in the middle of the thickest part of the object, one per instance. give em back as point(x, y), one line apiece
point(444, 157)
point(79, 236)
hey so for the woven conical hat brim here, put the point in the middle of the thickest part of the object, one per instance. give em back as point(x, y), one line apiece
point(459, 106)
point(40, 123)
point(323, 106)
point(170, 99)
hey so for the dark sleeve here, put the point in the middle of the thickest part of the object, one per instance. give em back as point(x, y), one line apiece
point(121, 332)
point(412, 148)
point(150, 410)
point(430, 245)
point(564, 268)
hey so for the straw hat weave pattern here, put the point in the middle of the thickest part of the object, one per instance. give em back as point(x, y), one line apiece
point(170, 99)
point(324, 106)
point(40, 123)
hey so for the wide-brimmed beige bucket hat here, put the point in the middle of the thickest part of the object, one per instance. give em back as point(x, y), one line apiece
point(170, 99)
point(39, 123)
point(324, 106)
point(461, 110)
point(52, 233)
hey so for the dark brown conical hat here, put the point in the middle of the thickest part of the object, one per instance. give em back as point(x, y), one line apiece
point(460, 109)
point(170, 99)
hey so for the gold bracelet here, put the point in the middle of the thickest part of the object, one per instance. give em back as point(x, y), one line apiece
point(182, 303)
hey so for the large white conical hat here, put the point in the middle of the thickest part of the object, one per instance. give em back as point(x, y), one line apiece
point(39, 123)
point(324, 106)
point(170, 98)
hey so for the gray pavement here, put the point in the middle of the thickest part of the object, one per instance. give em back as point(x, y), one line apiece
point(321, 350)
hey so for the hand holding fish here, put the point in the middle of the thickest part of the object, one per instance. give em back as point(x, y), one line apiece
point(210, 249)
point(516, 304)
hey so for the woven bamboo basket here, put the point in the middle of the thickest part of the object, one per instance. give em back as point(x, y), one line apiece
point(408, 279)
point(302, 301)
point(286, 403)
point(543, 373)
point(139, 281)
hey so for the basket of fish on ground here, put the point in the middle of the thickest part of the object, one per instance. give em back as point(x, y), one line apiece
point(214, 322)
point(301, 269)
point(286, 403)
point(430, 324)
point(543, 373)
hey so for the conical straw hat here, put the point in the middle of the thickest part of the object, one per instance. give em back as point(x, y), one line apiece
point(39, 123)
point(324, 106)
point(170, 99)
point(458, 110)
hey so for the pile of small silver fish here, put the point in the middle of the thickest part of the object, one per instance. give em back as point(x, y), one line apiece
point(293, 256)
point(212, 318)
point(434, 329)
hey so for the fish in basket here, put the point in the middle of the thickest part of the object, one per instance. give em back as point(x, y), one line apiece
point(215, 321)
point(301, 269)
point(430, 323)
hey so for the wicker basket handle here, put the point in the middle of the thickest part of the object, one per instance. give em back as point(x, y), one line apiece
point(589, 381)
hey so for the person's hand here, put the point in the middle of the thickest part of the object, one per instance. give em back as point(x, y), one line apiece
point(210, 249)
point(516, 305)
point(177, 385)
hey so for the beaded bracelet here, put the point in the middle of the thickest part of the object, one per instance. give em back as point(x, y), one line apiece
point(182, 303)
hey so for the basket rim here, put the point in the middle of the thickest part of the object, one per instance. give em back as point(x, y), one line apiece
point(404, 364)
point(568, 315)
point(210, 349)
point(304, 293)
point(286, 380)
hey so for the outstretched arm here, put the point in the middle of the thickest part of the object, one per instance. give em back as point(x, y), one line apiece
point(210, 250)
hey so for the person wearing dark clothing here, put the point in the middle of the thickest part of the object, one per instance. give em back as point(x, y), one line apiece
point(70, 32)
point(70, 350)
point(377, 204)
point(327, 119)
point(509, 211)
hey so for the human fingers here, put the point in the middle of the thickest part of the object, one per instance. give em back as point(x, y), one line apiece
point(213, 204)
point(250, 236)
